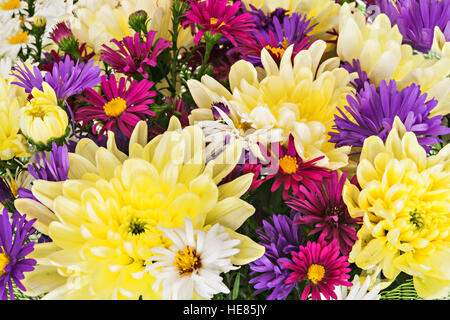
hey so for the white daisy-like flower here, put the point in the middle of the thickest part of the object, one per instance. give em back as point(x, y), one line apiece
point(232, 125)
point(191, 267)
point(358, 291)
point(8, 8)
point(13, 38)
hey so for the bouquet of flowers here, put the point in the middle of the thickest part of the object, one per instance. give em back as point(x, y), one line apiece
point(216, 149)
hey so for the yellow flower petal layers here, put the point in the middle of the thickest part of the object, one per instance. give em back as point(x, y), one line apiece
point(299, 98)
point(379, 48)
point(12, 143)
point(97, 22)
point(107, 213)
point(405, 204)
point(42, 119)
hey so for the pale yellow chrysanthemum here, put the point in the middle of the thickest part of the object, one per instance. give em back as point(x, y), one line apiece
point(98, 22)
point(324, 14)
point(42, 119)
point(299, 98)
point(405, 205)
point(440, 46)
point(12, 143)
point(379, 48)
point(108, 214)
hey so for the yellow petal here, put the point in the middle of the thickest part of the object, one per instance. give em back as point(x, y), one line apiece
point(236, 188)
point(231, 213)
point(249, 250)
point(35, 210)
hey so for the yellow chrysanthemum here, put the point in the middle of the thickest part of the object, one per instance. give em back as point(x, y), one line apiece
point(42, 119)
point(106, 215)
point(379, 48)
point(440, 45)
point(405, 204)
point(12, 143)
point(323, 14)
point(97, 22)
point(299, 98)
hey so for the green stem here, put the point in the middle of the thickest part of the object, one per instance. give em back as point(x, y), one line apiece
point(174, 49)
point(208, 49)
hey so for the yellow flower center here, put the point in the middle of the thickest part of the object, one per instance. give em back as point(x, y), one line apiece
point(288, 164)
point(20, 37)
point(187, 260)
point(214, 21)
point(285, 43)
point(115, 107)
point(316, 273)
point(4, 261)
point(36, 111)
point(10, 5)
point(276, 51)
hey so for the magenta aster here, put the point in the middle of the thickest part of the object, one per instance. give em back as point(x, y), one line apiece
point(134, 54)
point(322, 206)
point(218, 17)
point(290, 169)
point(120, 106)
point(321, 266)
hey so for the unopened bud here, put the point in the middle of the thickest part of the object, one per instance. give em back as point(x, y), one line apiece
point(138, 21)
point(39, 21)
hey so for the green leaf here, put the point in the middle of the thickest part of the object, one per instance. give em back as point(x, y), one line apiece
point(236, 285)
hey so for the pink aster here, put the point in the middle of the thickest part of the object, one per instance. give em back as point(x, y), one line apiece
point(322, 206)
point(123, 106)
point(133, 54)
point(291, 171)
point(217, 16)
point(321, 266)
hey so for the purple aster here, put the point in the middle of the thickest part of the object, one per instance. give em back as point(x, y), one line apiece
point(293, 30)
point(54, 169)
point(355, 66)
point(67, 78)
point(28, 79)
point(14, 247)
point(134, 55)
point(416, 20)
point(374, 111)
point(279, 238)
point(264, 21)
point(322, 206)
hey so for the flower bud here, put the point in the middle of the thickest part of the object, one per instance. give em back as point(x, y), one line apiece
point(138, 21)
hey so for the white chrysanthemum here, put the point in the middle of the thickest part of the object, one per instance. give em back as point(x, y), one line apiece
point(235, 125)
point(192, 265)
